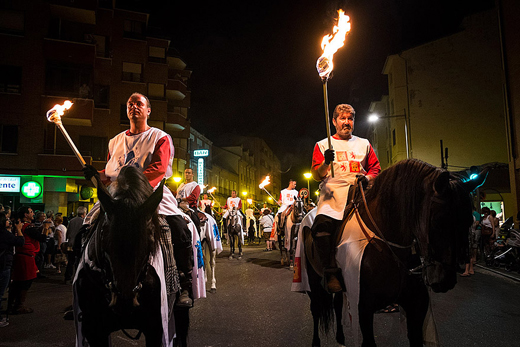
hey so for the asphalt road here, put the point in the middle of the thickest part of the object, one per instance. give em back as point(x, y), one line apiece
point(254, 307)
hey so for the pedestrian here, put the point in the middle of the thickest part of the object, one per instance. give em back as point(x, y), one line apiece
point(71, 237)
point(24, 269)
point(351, 157)
point(266, 224)
point(474, 240)
point(10, 237)
point(488, 230)
point(60, 233)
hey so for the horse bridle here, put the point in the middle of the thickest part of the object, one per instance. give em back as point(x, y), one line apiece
point(424, 246)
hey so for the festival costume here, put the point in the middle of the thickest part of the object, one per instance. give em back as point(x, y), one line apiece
point(191, 192)
point(353, 157)
point(203, 205)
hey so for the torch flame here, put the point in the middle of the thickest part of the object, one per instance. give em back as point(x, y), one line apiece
point(249, 201)
point(264, 182)
point(331, 43)
point(212, 190)
point(58, 110)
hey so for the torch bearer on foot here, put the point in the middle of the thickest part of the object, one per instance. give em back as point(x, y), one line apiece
point(54, 115)
point(330, 44)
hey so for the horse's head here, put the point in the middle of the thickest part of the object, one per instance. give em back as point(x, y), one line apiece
point(447, 233)
point(298, 210)
point(131, 231)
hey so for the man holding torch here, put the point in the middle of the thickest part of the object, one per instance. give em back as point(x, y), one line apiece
point(151, 150)
point(351, 157)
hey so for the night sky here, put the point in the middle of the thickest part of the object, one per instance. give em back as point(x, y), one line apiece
point(254, 63)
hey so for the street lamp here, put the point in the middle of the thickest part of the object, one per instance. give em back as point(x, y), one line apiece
point(374, 118)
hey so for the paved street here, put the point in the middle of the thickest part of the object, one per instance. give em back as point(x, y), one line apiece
point(253, 307)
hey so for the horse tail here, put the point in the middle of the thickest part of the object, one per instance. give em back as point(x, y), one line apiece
point(322, 302)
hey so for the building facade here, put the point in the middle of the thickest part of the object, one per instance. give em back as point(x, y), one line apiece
point(96, 56)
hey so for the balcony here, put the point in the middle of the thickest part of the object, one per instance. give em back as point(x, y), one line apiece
point(175, 122)
point(81, 113)
point(176, 90)
point(59, 165)
point(84, 11)
point(69, 51)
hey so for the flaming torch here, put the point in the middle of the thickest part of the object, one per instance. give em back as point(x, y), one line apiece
point(54, 115)
point(262, 185)
point(211, 191)
point(330, 44)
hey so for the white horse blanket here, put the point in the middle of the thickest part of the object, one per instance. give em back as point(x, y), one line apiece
point(349, 254)
point(211, 234)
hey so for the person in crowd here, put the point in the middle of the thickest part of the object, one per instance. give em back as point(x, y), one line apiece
point(488, 229)
point(70, 237)
point(474, 240)
point(351, 157)
point(266, 224)
point(24, 269)
point(10, 237)
point(41, 221)
point(60, 232)
point(151, 150)
point(206, 204)
point(496, 222)
point(250, 225)
point(51, 242)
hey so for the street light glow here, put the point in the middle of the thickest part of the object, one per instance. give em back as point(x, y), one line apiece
point(244, 193)
point(177, 179)
point(307, 175)
point(373, 118)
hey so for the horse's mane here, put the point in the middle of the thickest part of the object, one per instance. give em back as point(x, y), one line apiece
point(133, 236)
point(400, 191)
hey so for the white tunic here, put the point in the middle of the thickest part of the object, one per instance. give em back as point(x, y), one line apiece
point(287, 196)
point(137, 150)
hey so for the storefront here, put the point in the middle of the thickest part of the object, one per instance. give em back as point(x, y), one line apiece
point(62, 194)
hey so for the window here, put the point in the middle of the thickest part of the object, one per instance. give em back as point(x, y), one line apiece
point(393, 137)
point(101, 45)
point(157, 54)
point(12, 22)
point(102, 96)
point(65, 79)
point(134, 29)
point(123, 118)
point(8, 138)
point(10, 79)
point(94, 146)
point(156, 91)
point(132, 72)
point(199, 143)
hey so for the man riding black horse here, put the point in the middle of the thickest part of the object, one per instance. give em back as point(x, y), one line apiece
point(351, 156)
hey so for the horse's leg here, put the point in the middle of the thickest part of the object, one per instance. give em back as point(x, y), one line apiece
point(231, 245)
point(366, 324)
point(182, 323)
point(213, 256)
point(338, 310)
point(415, 301)
point(239, 241)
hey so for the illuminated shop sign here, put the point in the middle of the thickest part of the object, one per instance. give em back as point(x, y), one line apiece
point(200, 171)
point(31, 189)
point(9, 184)
point(201, 152)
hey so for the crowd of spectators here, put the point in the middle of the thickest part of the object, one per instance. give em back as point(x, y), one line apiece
point(31, 241)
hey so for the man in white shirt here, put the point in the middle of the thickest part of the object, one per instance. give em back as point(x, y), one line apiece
point(351, 156)
point(287, 197)
point(234, 202)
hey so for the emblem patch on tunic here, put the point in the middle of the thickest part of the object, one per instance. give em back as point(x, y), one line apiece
point(341, 156)
point(354, 166)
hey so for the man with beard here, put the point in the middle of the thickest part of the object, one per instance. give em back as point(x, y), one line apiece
point(351, 156)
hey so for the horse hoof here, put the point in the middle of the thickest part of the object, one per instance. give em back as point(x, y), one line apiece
point(213, 290)
point(239, 257)
point(230, 257)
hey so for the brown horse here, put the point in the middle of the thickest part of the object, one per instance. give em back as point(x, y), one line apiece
point(420, 216)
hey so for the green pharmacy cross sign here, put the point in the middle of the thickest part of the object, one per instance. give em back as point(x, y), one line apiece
point(31, 189)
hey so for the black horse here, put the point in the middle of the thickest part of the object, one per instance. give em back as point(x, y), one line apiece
point(234, 229)
point(117, 288)
point(420, 215)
